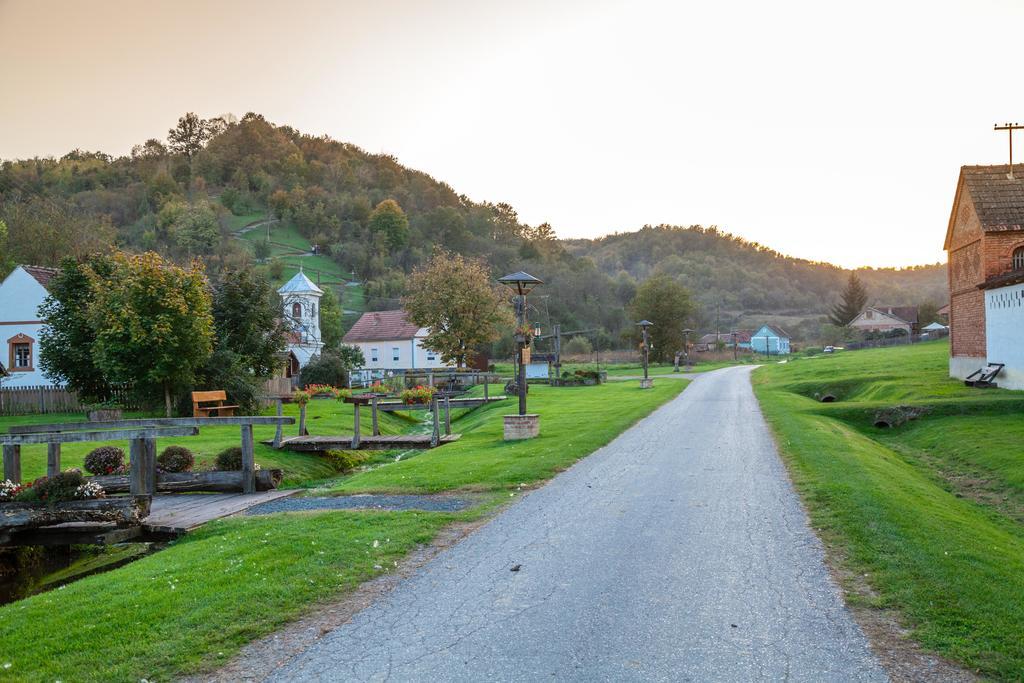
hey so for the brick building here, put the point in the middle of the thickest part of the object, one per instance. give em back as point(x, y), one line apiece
point(985, 243)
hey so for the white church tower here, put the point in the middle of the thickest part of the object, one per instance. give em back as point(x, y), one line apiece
point(300, 301)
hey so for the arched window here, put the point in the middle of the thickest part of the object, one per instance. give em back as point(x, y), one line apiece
point(1018, 258)
point(296, 310)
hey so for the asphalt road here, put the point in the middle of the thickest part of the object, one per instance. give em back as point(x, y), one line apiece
point(679, 552)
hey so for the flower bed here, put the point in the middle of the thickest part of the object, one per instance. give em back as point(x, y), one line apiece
point(418, 394)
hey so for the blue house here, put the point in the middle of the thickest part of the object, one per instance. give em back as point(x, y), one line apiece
point(772, 338)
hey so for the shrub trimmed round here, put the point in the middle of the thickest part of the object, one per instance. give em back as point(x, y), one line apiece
point(105, 460)
point(176, 459)
point(229, 459)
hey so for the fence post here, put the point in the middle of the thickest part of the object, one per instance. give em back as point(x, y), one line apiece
point(248, 460)
point(447, 416)
point(435, 436)
point(42, 400)
point(52, 459)
point(373, 404)
point(12, 462)
point(277, 430)
point(137, 476)
point(355, 431)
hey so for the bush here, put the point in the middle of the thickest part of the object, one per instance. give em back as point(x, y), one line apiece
point(344, 461)
point(328, 368)
point(229, 459)
point(67, 485)
point(579, 346)
point(105, 460)
point(418, 394)
point(176, 459)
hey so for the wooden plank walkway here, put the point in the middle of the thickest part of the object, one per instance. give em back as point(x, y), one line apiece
point(176, 513)
point(366, 443)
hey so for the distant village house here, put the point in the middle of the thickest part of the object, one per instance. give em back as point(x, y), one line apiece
point(887, 319)
point(391, 344)
point(21, 294)
point(771, 340)
point(985, 243)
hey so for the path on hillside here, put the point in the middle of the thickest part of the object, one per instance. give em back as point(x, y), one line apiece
point(678, 552)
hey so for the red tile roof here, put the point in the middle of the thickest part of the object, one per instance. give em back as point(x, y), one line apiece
point(42, 274)
point(381, 326)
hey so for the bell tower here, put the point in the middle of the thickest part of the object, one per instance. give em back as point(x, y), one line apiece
point(300, 303)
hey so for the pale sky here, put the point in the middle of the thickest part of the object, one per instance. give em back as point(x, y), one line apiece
point(830, 131)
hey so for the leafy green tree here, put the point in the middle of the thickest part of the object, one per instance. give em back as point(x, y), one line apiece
point(852, 301)
point(189, 136)
point(152, 321)
point(669, 305)
point(352, 356)
point(928, 313)
point(458, 300)
point(330, 320)
point(327, 368)
point(6, 258)
point(388, 220)
point(66, 342)
point(192, 228)
point(261, 249)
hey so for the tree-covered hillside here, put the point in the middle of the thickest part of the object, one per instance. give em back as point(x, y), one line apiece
point(373, 220)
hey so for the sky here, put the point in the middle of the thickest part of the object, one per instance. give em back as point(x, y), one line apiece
point(828, 131)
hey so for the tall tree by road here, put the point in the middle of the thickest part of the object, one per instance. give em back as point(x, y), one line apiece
point(458, 299)
point(851, 302)
point(669, 305)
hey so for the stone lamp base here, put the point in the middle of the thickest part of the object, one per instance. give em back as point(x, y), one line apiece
point(647, 383)
point(522, 427)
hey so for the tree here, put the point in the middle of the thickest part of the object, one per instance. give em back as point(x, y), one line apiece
point(851, 302)
point(330, 320)
point(457, 299)
point(42, 231)
point(667, 304)
point(6, 259)
point(928, 313)
point(389, 220)
point(66, 342)
point(193, 228)
point(152, 321)
point(189, 136)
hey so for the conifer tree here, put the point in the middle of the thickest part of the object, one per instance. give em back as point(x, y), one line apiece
point(851, 302)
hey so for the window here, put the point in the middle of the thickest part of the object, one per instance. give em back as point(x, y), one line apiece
point(1018, 258)
point(296, 310)
point(431, 355)
point(394, 353)
point(374, 355)
point(19, 353)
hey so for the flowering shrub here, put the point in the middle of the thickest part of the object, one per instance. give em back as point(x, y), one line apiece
point(418, 394)
point(301, 397)
point(320, 390)
point(67, 485)
point(9, 490)
point(90, 489)
point(105, 460)
point(176, 459)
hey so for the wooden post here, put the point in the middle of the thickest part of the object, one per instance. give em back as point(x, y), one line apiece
point(277, 430)
point(435, 437)
point(52, 459)
point(447, 416)
point(248, 460)
point(137, 478)
point(430, 379)
point(302, 420)
point(355, 431)
point(149, 455)
point(12, 462)
point(373, 405)
point(487, 383)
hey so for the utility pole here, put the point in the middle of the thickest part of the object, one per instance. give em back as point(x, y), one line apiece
point(1009, 128)
point(558, 351)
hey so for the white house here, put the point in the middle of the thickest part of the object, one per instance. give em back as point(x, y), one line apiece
point(21, 293)
point(886, 319)
point(391, 342)
point(1004, 322)
point(771, 340)
point(300, 302)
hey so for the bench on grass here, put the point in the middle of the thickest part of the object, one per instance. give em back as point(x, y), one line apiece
point(984, 376)
point(219, 410)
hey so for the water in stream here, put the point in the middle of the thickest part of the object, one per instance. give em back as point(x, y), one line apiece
point(28, 570)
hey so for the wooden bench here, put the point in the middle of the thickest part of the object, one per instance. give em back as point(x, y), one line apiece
point(984, 376)
point(219, 410)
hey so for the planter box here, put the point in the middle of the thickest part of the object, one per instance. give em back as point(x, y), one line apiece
point(177, 482)
point(122, 510)
point(522, 427)
point(105, 415)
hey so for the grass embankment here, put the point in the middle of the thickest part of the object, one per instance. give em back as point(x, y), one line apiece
point(322, 417)
point(190, 608)
point(617, 370)
point(925, 512)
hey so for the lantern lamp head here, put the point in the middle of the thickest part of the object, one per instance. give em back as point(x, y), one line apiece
point(645, 324)
point(522, 282)
point(536, 329)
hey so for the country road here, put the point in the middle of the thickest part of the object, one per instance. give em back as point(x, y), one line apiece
point(679, 552)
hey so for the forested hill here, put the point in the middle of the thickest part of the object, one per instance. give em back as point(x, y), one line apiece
point(193, 194)
point(745, 276)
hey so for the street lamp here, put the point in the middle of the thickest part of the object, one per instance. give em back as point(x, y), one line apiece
point(686, 346)
point(734, 352)
point(646, 382)
point(522, 284)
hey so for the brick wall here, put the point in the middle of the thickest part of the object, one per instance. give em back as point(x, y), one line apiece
point(998, 251)
point(967, 323)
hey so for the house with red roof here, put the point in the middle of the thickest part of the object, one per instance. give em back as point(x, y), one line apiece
point(392, 344)
point(21, 294)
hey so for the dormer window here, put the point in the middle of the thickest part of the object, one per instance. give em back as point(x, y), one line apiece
point(296, 310)
point(1017, 262)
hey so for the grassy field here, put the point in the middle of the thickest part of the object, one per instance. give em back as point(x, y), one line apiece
point(190, 607)
point(927, 512)
point(634, 369)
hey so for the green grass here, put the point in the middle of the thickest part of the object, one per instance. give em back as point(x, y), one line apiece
point(636, 369)
point(238, 222)
point(323, 417)
point(574, 422)
point(948, 559)
point(193, 606)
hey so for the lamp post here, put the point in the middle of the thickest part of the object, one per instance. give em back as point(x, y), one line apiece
point(522, 284)
point(734, 351)
point(686, 347)
point(646, 382)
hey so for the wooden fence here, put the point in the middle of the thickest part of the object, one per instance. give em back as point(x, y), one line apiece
point(46, 399)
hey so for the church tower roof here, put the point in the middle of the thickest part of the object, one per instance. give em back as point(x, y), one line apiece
point(300, 284)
